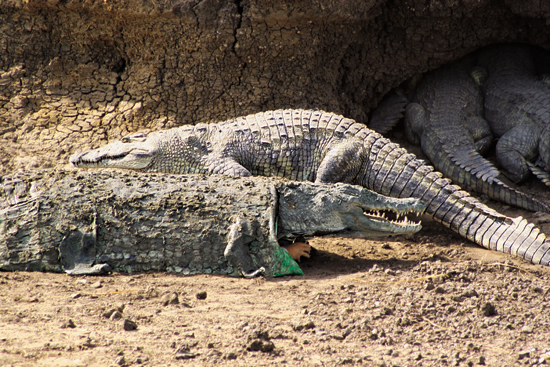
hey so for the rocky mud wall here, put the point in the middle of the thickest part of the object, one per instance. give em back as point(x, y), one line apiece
point(76, 73)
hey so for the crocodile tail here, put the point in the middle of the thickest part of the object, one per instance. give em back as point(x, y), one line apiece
point(394, 172)
point(388, 113)
point(467, 168)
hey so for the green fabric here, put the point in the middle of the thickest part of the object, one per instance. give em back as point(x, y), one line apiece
point(288, 265)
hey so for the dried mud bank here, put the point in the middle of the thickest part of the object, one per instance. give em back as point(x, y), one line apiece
point(74, 74)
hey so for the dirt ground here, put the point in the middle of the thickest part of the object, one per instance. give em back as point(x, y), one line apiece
point(73, 76)
point(428, 299)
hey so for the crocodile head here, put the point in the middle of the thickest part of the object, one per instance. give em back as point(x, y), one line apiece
point(136, 151)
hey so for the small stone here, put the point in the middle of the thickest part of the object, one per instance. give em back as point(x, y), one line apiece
point(418, 357)
point(527, 329)
point(129, 325)
point(120, 361)
point(116, 315)
point(76, 295)
point(470, 293)
point(96, 284)
point(375, 268)
point(389, 272)
point(231, 355)
point(524, 354)
point(107, 314)
point(185, 355)
point(481, 360)
point(300, 327)
point(440, 290)
point(429, 286)
point(201, 295)
point(258, 333)
point(544, 358)
point(68, 324)
point(373, 335)
point(488, 309)
point(170, 299)
point(261, 345)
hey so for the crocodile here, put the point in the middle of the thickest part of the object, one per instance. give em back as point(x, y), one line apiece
point(517, 106)
point(96, 222)
point(445, 119)
point(389, 111)
point(310, 145)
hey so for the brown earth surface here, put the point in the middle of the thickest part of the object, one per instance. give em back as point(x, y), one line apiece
point(74, 74)
point(428, 299)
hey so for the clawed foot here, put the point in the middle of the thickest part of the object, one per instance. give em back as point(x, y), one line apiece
point(298, 249)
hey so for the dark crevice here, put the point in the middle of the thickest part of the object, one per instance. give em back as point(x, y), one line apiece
point(240, 10)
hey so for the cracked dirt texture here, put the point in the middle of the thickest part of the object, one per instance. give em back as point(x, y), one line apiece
point(75, 74)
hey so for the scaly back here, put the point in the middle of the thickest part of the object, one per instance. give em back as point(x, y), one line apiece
point(284, 143)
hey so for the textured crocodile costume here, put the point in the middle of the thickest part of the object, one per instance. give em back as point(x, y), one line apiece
point(517, 105)
point(321, 147)
point(445, 119)
point(89, 223)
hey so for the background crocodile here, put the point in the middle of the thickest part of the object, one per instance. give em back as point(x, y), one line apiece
point(92, 222)
point(321, 147)
point(517, 106)
point(445, 119)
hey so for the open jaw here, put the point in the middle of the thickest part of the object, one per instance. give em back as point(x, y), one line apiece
point(395, 221)
point(81, 160)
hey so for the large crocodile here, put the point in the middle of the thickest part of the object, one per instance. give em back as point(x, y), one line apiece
point(517, 106)
point(321, 147)
point(445, 119)
point(87, 223)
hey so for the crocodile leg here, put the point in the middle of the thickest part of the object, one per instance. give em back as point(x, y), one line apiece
point(241, 234)
point(451, 206)
point(389, 111)
point(415, 120)
point(517, 146)
point(481, 133)
point(342, 162)
point(225, 166)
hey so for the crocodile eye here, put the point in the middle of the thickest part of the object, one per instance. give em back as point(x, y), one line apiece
point(125, 140)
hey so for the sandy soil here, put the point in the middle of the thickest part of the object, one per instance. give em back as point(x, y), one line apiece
point(429, 299)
